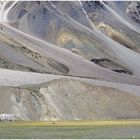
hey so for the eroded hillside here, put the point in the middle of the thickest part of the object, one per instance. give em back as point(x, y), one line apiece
point(70, 60)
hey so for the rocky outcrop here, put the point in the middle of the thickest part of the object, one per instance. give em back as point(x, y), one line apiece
point(106, 63)
point(8, 117)
point(133, 11)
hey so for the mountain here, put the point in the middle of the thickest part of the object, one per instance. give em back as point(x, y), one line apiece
point(70, 59)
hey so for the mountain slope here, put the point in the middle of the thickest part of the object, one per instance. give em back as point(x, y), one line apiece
point(69, 60)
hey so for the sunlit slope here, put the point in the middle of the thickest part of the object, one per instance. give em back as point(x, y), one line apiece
point(115, 19)
point(69, 60)
point(76, 65)
point(69, 25)
point(67, 99)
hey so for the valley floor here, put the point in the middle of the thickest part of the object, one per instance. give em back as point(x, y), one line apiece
point(71, 129)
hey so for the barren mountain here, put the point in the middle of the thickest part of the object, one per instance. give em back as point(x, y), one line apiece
point(70, 59)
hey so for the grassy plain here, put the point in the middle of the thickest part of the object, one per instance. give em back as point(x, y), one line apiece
point(70, 129)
